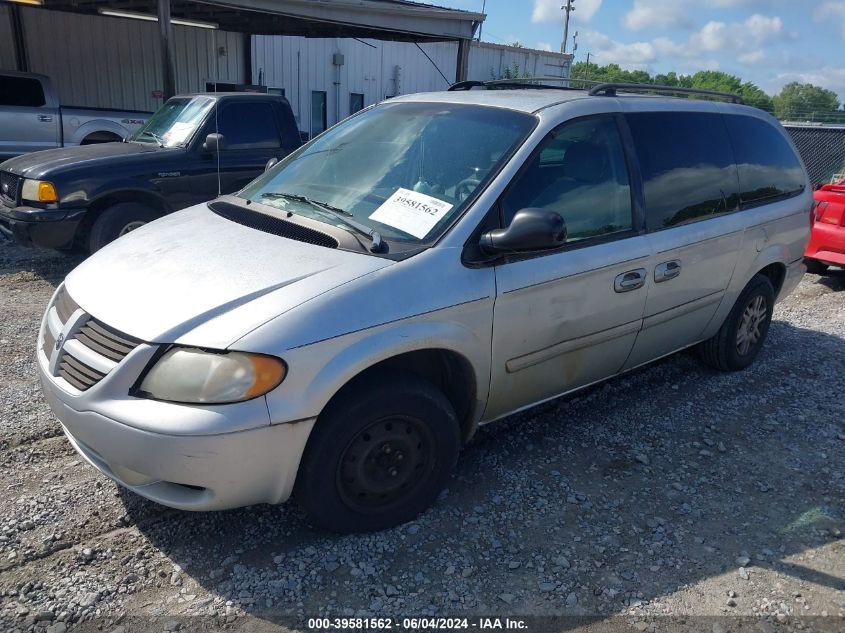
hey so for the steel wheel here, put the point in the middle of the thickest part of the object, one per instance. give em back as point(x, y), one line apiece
point(384, 463)
point(131, 226)
point(750, 331)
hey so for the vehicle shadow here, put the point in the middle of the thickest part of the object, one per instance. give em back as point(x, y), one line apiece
point(619, 496)
point(52, 266)
point(834, 279)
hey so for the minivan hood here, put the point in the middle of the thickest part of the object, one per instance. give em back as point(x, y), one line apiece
point(38, 165)
point(196, 278)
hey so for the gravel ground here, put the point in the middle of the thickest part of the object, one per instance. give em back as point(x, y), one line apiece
point(672, 497)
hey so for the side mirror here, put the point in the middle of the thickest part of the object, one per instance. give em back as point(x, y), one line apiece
point(214, 143)
point(530, 230)
point(271, 163)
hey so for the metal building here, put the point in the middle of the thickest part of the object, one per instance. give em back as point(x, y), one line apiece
point(113, 62)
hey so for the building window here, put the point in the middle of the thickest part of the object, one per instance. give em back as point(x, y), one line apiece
point(356, 102)
point(318, 112)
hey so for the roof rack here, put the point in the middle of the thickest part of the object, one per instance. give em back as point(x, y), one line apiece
point(528, 82)
point(610, 90)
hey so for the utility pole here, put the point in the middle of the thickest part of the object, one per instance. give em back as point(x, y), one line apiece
point(587, 70)
point(567, 9)
point(483, 6)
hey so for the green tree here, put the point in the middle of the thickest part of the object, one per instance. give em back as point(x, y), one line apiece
point(806, 102)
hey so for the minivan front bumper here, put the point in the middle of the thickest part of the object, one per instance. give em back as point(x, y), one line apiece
point(189, 472)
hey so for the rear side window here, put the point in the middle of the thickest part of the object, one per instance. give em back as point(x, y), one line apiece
point(248, 126)
point(687, 167)
point(21, 91)
point(768, 167)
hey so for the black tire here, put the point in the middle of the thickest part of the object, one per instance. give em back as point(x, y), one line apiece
point(379, 455)
point(118, 220)
point(815, 267)
point(724, 351)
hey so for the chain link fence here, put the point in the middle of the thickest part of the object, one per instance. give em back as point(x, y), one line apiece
point(823, 150)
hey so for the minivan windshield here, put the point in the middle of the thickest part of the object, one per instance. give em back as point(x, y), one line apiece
point(175, 122)
point(404, 170)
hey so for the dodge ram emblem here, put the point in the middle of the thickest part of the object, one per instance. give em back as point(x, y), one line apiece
point(59, 342)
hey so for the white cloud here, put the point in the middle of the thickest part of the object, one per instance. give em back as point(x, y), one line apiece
point(752, 58)
point(762, 27)
point(543, 46)
point(656, 13)
point(549, 10)
point(832, 11)
point(663, 14)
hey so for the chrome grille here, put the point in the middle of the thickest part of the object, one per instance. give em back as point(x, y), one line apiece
point(101, 345)
point(9, 185)
point(105, 340)
point(78, 373)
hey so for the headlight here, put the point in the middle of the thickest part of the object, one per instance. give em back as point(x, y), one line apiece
point(39, 191)
point(196, 376)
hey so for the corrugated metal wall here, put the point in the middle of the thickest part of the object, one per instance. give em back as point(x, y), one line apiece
point(7, 46)
point(302, 65)
point(107, 62)
point(489, 61)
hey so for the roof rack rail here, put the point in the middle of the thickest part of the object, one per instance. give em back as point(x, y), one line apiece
point(610, 90)
point(527, 82)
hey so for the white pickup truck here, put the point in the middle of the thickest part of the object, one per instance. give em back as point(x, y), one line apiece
point(31, 118)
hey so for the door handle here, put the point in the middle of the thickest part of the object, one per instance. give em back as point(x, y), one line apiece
point(45, 118)
point(633, 279)
point(667, 270)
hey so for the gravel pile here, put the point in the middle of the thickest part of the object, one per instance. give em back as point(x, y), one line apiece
point(672, 491)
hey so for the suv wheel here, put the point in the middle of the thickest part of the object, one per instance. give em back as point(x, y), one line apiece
point(117, 220)
point(379, 455)
point(739, 340)
point(815, 267)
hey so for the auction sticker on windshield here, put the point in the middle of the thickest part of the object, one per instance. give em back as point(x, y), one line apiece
point(412, 212)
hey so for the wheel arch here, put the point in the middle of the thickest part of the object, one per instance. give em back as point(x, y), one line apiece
point(103, 202)
point(446, 369)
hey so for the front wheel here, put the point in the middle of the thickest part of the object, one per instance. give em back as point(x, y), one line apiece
point(118, 220)
point(739, 340)
point(379, 455)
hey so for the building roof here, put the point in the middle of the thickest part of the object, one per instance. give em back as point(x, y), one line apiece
point(399, 20)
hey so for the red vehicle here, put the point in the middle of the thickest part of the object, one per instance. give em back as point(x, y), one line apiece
point(827, 242)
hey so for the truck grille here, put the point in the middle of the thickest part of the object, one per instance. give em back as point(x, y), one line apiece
point(9, 185)
point(91, 350)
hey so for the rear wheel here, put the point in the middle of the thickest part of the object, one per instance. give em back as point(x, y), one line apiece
point(379, 455)
point(815, 267)
point(739, 340)
point(117, 220)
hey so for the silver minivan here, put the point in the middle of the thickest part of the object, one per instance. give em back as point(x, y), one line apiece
point(340, 327)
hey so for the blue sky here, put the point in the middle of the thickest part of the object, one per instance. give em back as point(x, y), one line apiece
point(769, 42)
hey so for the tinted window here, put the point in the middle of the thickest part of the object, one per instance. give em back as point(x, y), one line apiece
point(768, 167)
point(580, 173)
point(248, 126)
point(356, 102)
point(21, 91)
point(687, 166)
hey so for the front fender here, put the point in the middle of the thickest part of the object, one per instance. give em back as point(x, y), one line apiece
point(318, 371)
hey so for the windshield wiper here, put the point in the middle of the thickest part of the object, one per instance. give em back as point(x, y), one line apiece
point(155, 137)
point(345, 218)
